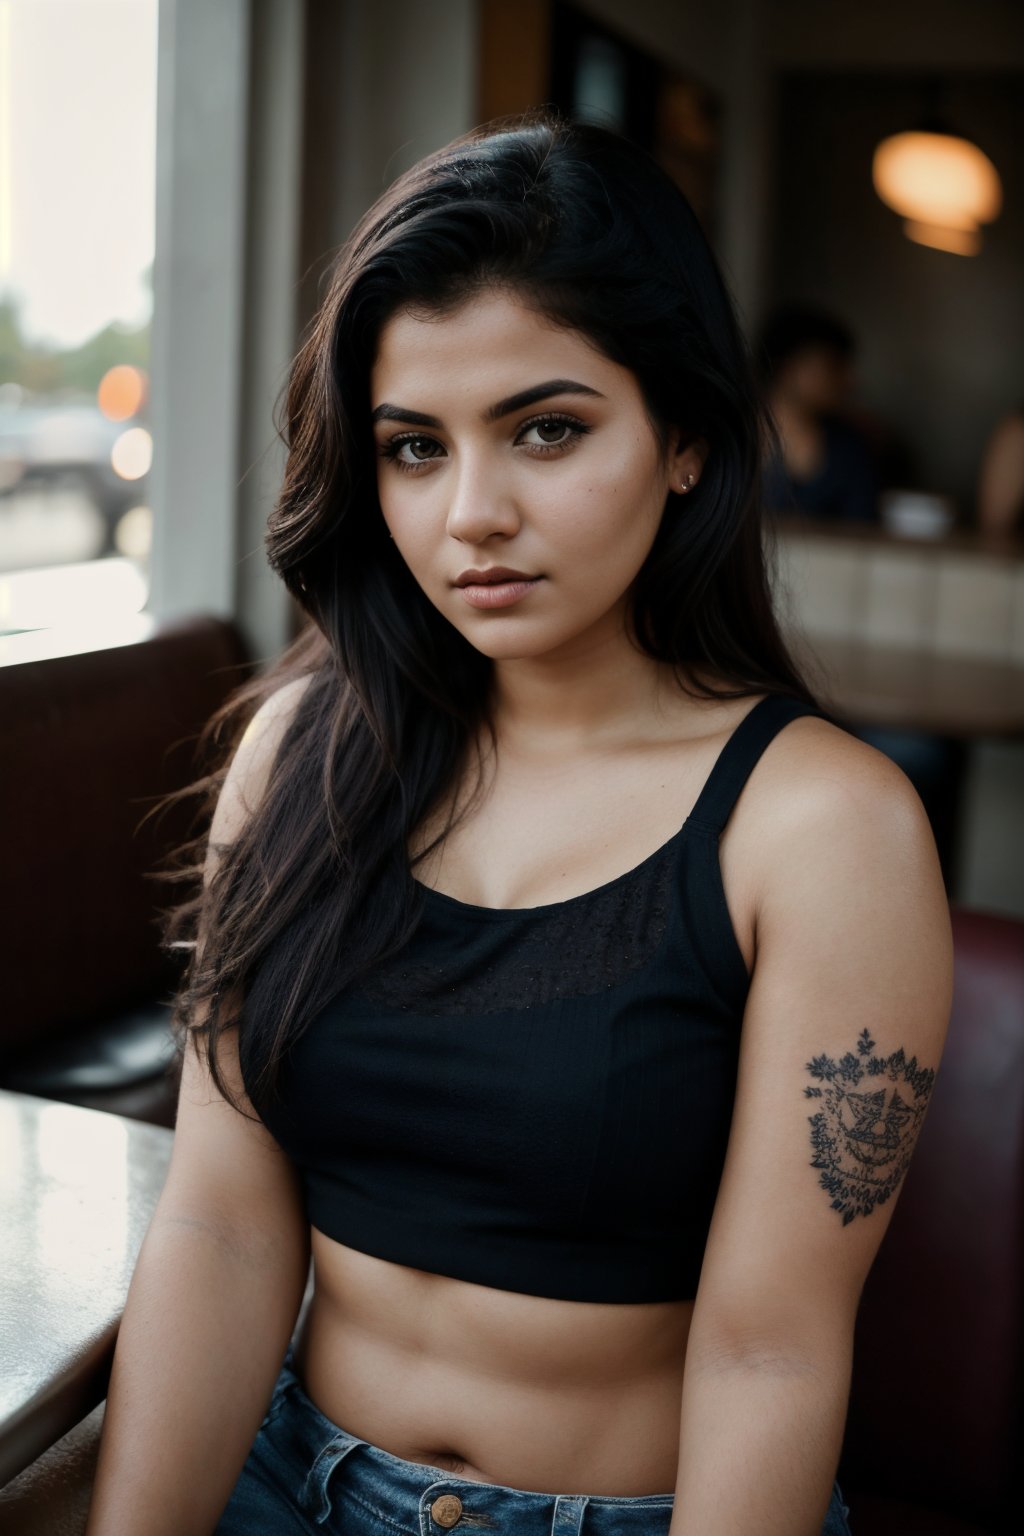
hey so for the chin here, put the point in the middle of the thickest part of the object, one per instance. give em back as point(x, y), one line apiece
point(508, 647)
point(532, 643)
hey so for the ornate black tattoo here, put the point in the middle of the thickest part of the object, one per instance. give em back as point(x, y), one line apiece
point(862, 1139)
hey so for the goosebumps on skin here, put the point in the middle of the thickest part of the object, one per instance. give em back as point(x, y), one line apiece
point(865, 1129)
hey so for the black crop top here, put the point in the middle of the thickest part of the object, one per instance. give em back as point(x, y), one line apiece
point(539, 1098)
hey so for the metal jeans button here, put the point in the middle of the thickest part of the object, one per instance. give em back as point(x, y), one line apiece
point(447, 1509)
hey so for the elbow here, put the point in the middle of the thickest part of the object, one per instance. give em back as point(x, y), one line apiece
point(256, 1247)
point(767, 1360)
point(811, 1347)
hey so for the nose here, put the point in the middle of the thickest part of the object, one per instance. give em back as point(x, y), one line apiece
point(480, 500)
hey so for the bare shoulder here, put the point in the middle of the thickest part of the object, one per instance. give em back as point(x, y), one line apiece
point(853, 911)
point(816, 757)
point(845, 833)
point(250, 767)
point(818, 785)
point(268, 725)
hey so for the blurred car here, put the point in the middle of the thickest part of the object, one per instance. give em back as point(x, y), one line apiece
point(66, 448)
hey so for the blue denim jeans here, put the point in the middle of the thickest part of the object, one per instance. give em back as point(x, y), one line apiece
point(305, 1474)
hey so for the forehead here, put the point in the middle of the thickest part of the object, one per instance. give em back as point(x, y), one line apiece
point(487, 348)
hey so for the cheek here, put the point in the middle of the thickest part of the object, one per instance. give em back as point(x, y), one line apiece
point(621, 502)
point(614, 490)
point(403, 515)
point(599, 539)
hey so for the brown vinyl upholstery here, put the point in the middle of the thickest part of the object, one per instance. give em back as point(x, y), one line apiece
point(938, 1386)
point(90, 741)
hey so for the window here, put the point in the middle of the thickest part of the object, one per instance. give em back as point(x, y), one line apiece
point(77, 200)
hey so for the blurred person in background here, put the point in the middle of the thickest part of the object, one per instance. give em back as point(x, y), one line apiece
point(829, 466)
point(825, 466)
point(1000, 498)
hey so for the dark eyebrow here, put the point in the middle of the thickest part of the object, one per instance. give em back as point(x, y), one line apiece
point(526, 397)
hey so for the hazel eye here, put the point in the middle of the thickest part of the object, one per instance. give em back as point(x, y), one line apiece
point(420, 448)
point(412, 451)
point(551, 433)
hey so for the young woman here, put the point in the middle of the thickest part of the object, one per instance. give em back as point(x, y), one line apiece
point(565, 982)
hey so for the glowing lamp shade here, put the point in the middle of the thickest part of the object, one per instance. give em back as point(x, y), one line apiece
point(945, 188)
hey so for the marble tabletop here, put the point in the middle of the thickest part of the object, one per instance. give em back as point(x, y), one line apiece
point(77, 1190)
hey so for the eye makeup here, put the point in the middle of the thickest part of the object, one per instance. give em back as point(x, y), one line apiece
point(391, 449)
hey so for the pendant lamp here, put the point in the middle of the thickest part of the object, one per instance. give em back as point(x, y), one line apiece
point(945, 187)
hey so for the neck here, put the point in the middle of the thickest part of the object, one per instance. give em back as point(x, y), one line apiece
point(597, 692)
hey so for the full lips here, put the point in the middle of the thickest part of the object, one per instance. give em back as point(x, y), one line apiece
point(498, 594)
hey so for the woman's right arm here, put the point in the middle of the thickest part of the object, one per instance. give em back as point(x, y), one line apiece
point(219, 1279)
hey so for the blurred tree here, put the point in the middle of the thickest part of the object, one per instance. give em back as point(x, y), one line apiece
point(11, 345)
point(46, 371)
point(84, 368)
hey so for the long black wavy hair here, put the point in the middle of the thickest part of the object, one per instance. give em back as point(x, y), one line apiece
point(588, 229)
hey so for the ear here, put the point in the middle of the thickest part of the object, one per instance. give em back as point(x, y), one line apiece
point(685, 463)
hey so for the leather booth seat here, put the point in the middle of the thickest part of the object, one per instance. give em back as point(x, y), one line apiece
point(936, 1420)
point(90, 741)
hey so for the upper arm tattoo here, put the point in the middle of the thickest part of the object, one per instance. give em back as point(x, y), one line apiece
point(865, 1128)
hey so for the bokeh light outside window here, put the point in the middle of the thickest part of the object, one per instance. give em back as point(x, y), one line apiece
point(77, 215)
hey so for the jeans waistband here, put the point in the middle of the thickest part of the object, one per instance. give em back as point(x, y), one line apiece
point(423, 1500)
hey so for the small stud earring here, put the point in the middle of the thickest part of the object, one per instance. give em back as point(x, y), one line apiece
point(686, 486)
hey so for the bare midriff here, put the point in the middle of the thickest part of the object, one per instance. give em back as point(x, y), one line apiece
point(495, 1386)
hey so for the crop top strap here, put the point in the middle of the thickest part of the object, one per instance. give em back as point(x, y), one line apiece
point(737, 758)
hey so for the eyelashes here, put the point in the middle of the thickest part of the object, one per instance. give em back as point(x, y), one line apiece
point(574, 430)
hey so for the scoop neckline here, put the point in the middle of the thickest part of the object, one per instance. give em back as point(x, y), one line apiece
point(694, 820)
point(471, 908)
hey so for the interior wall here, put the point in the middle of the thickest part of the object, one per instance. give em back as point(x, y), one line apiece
point(385, 85)
point(940, 336)
point(908, 35)
point(723, 46)
point(693, 38)
point(407, 86)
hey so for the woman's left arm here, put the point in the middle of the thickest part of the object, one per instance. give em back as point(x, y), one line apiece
point(844, 1026)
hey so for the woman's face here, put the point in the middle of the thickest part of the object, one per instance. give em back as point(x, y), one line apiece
point(504, 441)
